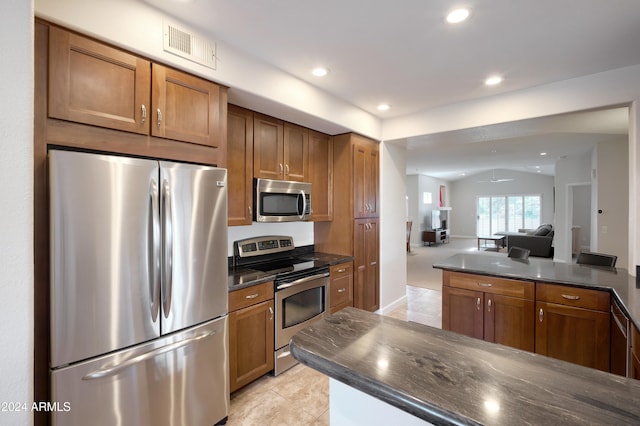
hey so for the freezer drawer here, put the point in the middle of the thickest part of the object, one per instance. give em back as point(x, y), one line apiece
point(181, 379)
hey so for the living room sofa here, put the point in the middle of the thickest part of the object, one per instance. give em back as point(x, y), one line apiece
point(538, 241)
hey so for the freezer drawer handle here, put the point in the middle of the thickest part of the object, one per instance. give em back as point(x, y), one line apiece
point(112, 371)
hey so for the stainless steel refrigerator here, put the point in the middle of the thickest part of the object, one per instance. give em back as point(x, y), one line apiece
point(139, 332)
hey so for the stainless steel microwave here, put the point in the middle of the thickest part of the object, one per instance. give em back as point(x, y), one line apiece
point(281, 201)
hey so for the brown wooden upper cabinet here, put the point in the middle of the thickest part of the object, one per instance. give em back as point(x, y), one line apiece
point(96, 84)
point(280, 150)
point(365, 177)
point(321, 175)
point(240, 165)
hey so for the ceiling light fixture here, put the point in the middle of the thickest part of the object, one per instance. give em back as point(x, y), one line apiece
point(492, 81)
point(543, 153)
point(320, 72)
point(384, 107)
point(457, 16)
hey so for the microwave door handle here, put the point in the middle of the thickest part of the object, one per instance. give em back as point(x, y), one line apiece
point(304, 204)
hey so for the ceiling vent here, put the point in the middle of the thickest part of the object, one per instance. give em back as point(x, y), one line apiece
point(189, 46)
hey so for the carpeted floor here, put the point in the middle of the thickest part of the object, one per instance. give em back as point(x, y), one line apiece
point(420, 271)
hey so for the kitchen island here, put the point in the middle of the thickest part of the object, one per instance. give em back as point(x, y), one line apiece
point(622, 286)
point(440, 377)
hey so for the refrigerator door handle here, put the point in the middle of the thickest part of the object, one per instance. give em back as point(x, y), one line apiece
point(113, 370)
point(154, 249)
point(167, 241)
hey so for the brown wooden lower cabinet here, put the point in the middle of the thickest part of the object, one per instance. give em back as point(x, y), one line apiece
point(341, 286)
point(635, 353)
point(366, 286)
point(489, 315)
point(251, 329)
point(573, 324)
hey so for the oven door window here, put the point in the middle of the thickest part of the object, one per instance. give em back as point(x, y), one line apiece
point(302, 306)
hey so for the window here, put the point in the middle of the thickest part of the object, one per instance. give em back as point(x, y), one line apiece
point(508, 213)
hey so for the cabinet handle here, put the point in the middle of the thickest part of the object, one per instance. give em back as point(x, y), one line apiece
point(570, 297)
point(280, 166)
point(144, 113)
point(286, 169)
point(374, 263)
point(252, 296)
point(489, 305)
point(478, 303)
point(342, 270)
point(541, 315)
point(271, 313)
point(485, 284)
point(159, 117)
point(342, 290)
point(250, 211)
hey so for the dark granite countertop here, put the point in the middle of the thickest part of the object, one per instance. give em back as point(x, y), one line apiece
point(617, 280)
point(447, 378)
point(246, 277)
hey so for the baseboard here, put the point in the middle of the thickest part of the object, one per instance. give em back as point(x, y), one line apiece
point(393, 305)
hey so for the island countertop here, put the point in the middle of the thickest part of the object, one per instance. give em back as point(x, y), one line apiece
point(447, 378)
point(622, 286)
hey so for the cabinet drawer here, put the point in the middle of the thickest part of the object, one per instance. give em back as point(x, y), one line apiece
point(598, 300)
point(341, 287)
point(503, 286)
point(250, 296)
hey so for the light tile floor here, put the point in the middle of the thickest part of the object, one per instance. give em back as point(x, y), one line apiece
point(300, 396)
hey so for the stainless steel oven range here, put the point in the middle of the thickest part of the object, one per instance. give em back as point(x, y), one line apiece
point(301, 287)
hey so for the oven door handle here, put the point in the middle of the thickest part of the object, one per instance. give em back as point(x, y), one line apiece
point(302, 280)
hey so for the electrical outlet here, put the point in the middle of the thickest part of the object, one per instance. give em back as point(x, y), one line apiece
point(604, 229)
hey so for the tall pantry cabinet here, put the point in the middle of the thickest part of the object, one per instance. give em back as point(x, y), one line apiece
point(354, 230)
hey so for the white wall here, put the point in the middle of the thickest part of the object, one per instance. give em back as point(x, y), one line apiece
point(420, 212)
point(464, 193)
point(613, 186)
point(393, 255)
point(16, 211)
point(569, 172)
point(582, 216)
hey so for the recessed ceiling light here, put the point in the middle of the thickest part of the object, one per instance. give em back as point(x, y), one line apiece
point(492, 81)
point(383, 107)
point(320, 72)
point(543, 153)
point(458, 15)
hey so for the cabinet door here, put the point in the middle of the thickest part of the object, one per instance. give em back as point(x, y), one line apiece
point(509, 321)
point(296, 153)
point(185, 107)
point(321, 175)
point(576, 335)
point(240, 165)
point(372, 181)
point(359, 181)
point(462, 311)
point(95, 84)
point(250, 343)
point(372, 284)
point(268, 147)
point(635, 367)
point(366, 292)
point(365, 178)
